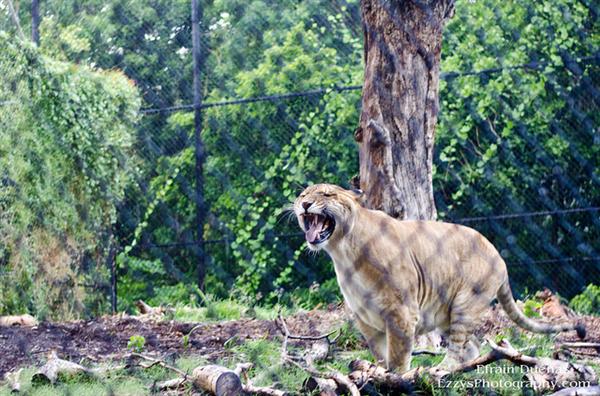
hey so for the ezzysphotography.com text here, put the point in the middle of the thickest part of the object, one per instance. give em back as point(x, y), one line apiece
point(525, 381)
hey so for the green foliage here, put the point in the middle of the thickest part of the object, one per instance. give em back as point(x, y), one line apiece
point(511, 141)
point(136, 343)
point(350, 338)
point(518, 140)
point(588, 302)
point(315, 295)
point(531, 308)
point(66, 157)
point(252, 213)
point(503, 142)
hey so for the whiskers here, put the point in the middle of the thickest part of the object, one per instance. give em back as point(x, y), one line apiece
point(309, 252)
point(286, 213)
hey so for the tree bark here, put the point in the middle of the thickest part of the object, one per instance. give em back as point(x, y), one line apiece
point(403, 41)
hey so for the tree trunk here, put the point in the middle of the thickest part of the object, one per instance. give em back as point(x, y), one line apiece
point(403, 41)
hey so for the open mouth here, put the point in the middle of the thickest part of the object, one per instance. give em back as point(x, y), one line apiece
point(318, 227)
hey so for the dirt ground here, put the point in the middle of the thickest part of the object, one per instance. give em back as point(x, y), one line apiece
point(106, 338)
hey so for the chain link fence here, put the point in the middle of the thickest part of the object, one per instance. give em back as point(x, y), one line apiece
point(516, 158)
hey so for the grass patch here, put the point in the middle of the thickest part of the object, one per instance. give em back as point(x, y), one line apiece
point(119, 383)
point(214, 311)
point(218, 310)
point(265, 355)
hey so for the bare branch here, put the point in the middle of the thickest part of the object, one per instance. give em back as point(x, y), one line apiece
point(15, 18)
point(155, 362)
point(580, 345)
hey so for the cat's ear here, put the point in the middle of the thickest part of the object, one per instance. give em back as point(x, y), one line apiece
point(357, 192)
point(359, 196)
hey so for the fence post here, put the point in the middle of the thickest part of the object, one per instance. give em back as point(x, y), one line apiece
point(111, 260)
point(198, 144)
point(35, 22)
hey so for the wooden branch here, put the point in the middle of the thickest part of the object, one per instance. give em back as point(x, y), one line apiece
point(154, 362)
point(315, 354)
point(219, 380)
point(263, 390)
point(546, 373)
point(418, 352)
point(580, 345)
point(282, 326)
point(344, 381)
point(241, 369)
point(286, 336)
point(363, 371)
point(15, 18)
point(171, 384)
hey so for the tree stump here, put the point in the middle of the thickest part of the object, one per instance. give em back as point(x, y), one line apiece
point(218, 380)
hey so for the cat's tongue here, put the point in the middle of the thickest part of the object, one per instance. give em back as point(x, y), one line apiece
point(315, 228)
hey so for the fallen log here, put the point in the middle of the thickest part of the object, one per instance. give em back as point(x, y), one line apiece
point(54, 368)
point(13, 379)
point(217, 380)
point(18, 320)
point(145, 309)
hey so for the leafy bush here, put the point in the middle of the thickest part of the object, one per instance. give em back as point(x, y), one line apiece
point(587, 302)
point(66, 158)
point(531, 308)
point(136, 343)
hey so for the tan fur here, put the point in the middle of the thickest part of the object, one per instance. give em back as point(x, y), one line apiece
point(406, 278)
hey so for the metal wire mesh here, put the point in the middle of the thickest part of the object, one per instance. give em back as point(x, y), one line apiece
point(281, 99)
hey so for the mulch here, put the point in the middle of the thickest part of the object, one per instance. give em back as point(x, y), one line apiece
point(106, 338)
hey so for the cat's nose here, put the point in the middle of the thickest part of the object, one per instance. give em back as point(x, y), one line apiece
point(306, 205)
